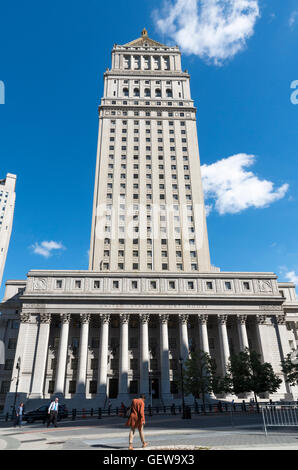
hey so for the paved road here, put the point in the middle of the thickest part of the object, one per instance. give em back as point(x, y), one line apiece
point(215, 432)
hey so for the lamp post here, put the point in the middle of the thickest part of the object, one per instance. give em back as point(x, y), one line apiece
point(182, 387)
point(18, 367)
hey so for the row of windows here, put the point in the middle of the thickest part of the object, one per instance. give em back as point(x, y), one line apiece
point(148, 139)
point(146, 113)
point(147, 93)
point(164, 266)
point(148, 131)
point(148, 123)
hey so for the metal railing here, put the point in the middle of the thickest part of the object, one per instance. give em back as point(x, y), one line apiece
point(279, 415)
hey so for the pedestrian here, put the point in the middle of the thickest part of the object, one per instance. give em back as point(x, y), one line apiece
point(123, 410)
point(137, 420)
point(109, 407)
point(219, 406)
point(19, 415)
point(53, 412)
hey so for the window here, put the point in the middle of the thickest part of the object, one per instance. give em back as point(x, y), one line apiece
point(209, 285)
point(115, 284)
point(190, 285)
point(8, 364)
point(59, 284)
point(93, 386)
point(133, 342)
point(228, 285)
point(173, 388)
point(134, 364)
point(95, 343)
point(51, 386)
point(153, 284)
point(172, 285)
point(133, 386)
point(246, 285)
point(134, 284)
point(12, 343)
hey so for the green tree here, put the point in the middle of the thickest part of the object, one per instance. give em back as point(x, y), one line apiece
point(199, 376)
point(246, 373)
point(290, 370)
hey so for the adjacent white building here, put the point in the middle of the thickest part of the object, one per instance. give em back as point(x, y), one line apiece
point(150, 295)
point(7, 203)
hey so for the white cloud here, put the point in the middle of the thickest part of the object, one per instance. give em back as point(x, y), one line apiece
point(235, 189)
point(292, 19)
point(45, 248)
point(292, 277)
point(214, 30)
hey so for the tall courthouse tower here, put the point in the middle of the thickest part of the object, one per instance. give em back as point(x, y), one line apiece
point(148, 212)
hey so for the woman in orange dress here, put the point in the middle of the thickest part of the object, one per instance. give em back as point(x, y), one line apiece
point(137, 420)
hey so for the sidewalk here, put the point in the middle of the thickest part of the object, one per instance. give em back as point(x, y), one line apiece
point(162, 433)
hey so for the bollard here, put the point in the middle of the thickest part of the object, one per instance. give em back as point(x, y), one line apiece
point(244, 405)
point(6, 417)
point(91, 412)
point(99, 413)
point(74, 412)
point(83, 413)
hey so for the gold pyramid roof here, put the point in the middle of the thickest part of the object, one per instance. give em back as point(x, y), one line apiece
point(144, 40)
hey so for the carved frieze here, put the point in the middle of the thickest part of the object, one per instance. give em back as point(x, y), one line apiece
point(39, 284)
point(265, 286)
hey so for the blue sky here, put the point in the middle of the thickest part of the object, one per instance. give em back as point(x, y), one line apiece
point(52, 60)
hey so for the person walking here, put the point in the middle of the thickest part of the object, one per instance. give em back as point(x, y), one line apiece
point(19, 415)
point(137, 420)
point(53, 413)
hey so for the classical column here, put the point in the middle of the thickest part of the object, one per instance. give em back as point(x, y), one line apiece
point(62, 353)
point(25, 319)
point(83, 356)
point(164, 358)
point(261, 322)
point(41, 356)
point(203, 332)
point(123, 360)
point(103, 358)
point(241, 324)
point(184, 346)
point(223, 339)
point(144, 353)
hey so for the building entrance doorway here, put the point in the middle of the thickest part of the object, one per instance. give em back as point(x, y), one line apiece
point(113, 388)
